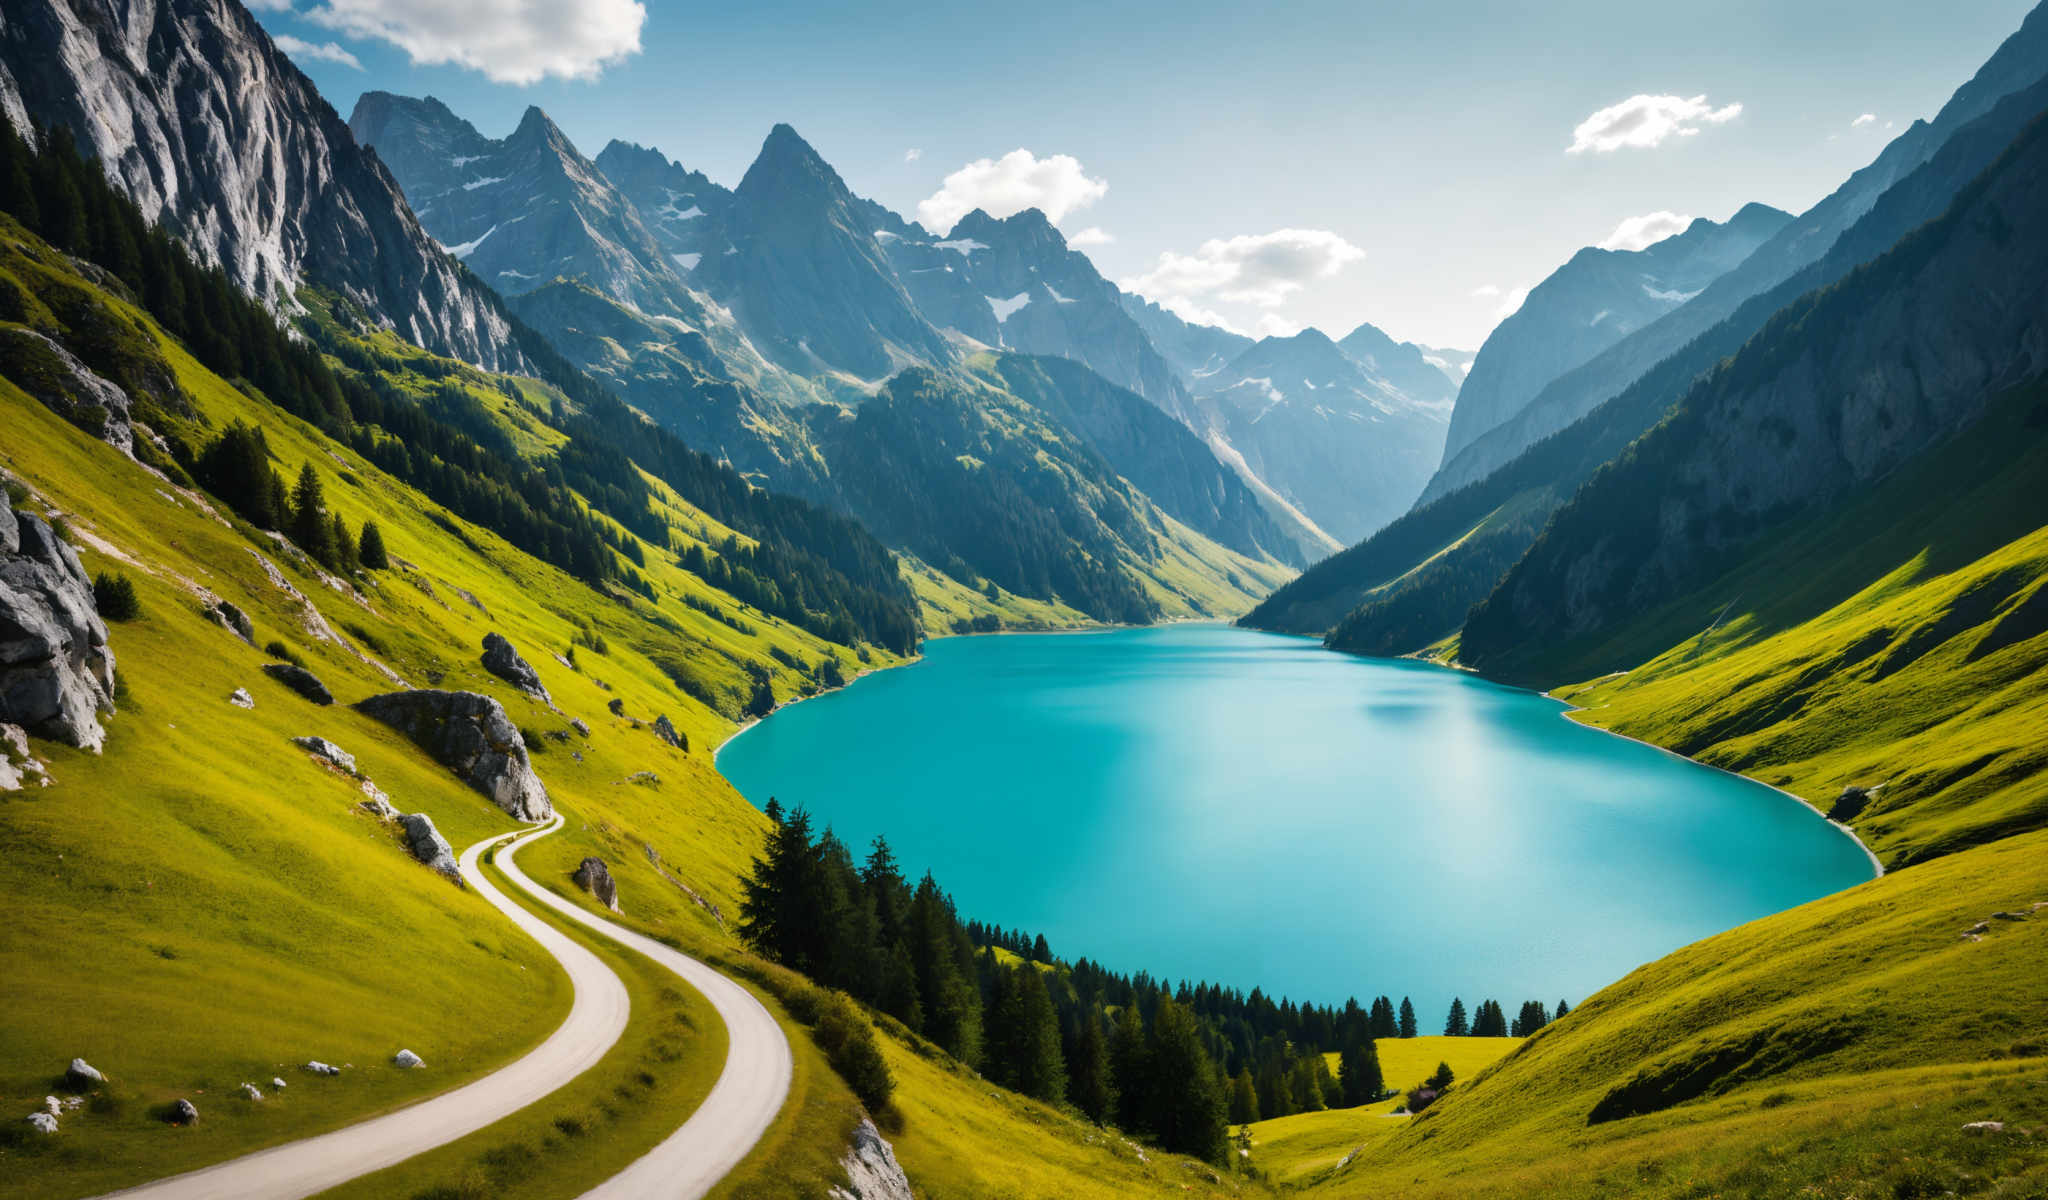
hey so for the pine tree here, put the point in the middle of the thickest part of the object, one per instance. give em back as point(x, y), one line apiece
point(772, 912)
point(1041, 950)
point(1130, 1067)
point(344, 546)
point(370, 550)
point(1383, 1022)
point(1037, 1066)
point(309, 525)
point(1089, 1083)
point(1359, 1078)
point(1442, 1078)
point(1455, 1025)
point(1562, 1009)
point(1407, 1018)
point(1186, 1113)
point(1244, 1099)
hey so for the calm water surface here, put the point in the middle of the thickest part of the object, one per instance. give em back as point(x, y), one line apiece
point(1206, 802)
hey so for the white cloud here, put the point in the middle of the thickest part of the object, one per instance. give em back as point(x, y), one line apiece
point(912, 154)
point(1644, 122)
point(1486, 291)
point(1275, 325)
point(1055, 185)
point(1194, 314)
point(1635, 233)
point(271, 6)
point(1094, 235)
point(1259, 269)
point(1865, 119)
point(300, 48)
point(509, 41)
point(1513, 304)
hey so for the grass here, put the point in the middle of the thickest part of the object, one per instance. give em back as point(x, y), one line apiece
point(671, 1053)
point(1836, 1045)
point(1897, 644)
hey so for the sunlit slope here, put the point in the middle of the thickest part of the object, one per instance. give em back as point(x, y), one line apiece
point(1834, 1050)
point(1897, 645)
point(204, 904)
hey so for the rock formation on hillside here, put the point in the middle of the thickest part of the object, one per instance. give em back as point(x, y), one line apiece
point(502, 660)
point(56, 671)
point(471, 735)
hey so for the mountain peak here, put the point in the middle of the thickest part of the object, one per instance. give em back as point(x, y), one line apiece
point(534, 124)
point(788, 164)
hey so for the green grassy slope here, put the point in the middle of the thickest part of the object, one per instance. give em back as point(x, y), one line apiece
point(1835, 1050)
point(1897, 644)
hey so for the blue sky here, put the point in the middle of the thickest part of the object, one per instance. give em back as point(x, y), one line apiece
point(1409, 164)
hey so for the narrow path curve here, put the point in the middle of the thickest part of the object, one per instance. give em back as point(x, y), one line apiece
point(597, 1018)
point(743, 1103)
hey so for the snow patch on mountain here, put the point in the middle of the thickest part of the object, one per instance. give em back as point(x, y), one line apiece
point(1004, 308)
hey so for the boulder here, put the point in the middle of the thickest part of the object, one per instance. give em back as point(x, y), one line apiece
point(427, 844)
point(596, 878)
point(251, 1092)
point(42, 1123)
point(502, 660)
point(872, 1172)
point(241, 698)
point(19, 767)
point(615, 706)
point(53, 1106)
point(406, 1060)
point(81, 1076)
point(183, 1112)
point(234, 620)
point(471, 735)
point(665, 729)
point(376, 803)
point(1850, 804)
point(56, 672)
point(326, 751)
point(300, 680)
point(581, 726)
point(277, 1081)
point(316, 1067)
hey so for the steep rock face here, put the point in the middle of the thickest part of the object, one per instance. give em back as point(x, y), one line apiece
point(1837, 390)
point(213, 131)
point(684, 210)
point(872, 1172)
point(1013, 284)
point(805, 277)
point(471, 735)
point(1592, 302)
point(56, 671)
point(1195, 351)
point(67, 387)
point(2018, 64)
point(1340, 443)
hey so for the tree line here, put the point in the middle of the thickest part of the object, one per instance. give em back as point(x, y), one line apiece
point(1173, 1063)
point(820, 570)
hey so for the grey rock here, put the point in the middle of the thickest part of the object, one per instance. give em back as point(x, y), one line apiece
point(67, 387)
point(241, 698)
point(406, 1060)
point(377, 803)
point(872, 1171)
point(1850, 804)
point(277, 1081)
point(1985, 1127)
point(234, 620)
point(596, 878)
point(471, 735)
point(615, 706)
point(18, 766)
point(581, 726)
point(43, 1123)
point(316, 1067)
point(56, 671)
point(81, 1076)
point(321, 748)
point(502, 660)
point(183, 1112)
point(300, 680)
point(665, 729)
point(427, 844)
point(214, 132)
point(251, 1092)
point(53, 1106)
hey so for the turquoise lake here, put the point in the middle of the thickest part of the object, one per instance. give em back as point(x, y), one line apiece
point(1204, 802)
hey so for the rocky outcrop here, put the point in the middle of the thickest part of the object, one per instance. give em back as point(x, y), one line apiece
point(67, 387)
point(18, 766)
point(471, 735)
point(300, 680)
point(502, 660)
point(427, 844)
point(665, 729)
point(316, 1067)
point(241, 698)
point(233, 619)
point(82, 1076)
point(210, 128)
point(596, 878)
point(327, 752)
point(872, 1171)
point(56, 672)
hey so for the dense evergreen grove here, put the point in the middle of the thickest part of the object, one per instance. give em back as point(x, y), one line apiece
point(1174, 1063)
point(817, 569)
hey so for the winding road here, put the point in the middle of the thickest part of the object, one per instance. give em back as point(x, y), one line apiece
point(741, 1106)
